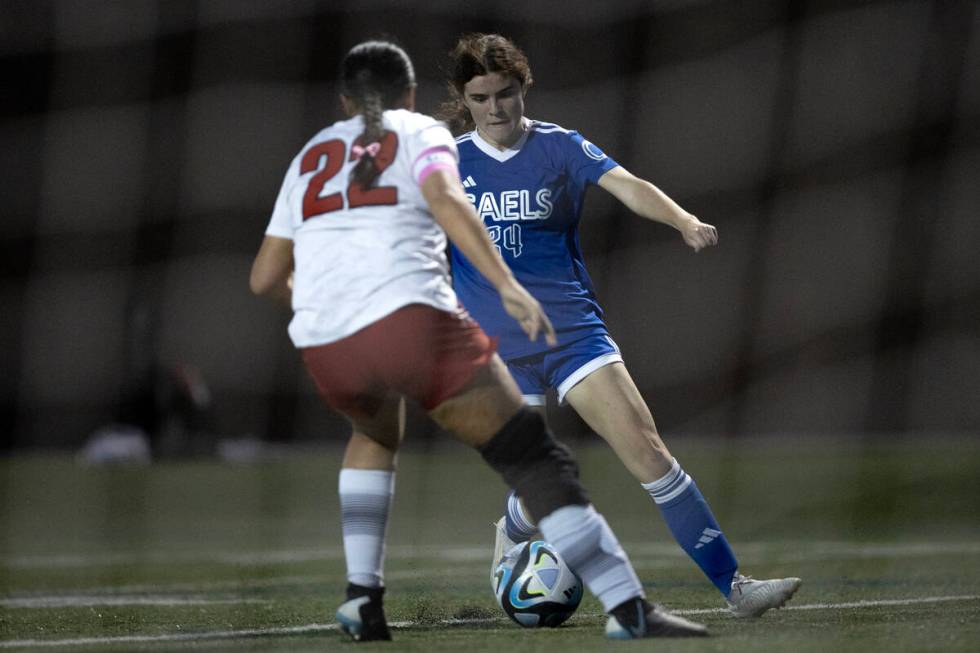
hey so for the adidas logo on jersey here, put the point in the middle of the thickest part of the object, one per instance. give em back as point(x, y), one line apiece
point(708, 536)
point(468, 182)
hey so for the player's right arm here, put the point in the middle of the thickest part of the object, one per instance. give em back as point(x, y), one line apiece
point(271, 269)
point(454, 213)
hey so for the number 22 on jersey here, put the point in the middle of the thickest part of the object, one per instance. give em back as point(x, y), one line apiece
point(334, 152)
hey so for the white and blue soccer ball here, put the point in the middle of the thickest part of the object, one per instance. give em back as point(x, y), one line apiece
point(535, 587)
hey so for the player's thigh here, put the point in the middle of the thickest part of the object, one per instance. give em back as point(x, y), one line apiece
point(477, 412)
point(609, 402)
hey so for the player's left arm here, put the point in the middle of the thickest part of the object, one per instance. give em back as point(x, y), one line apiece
point(648, 201)
point(272, 269)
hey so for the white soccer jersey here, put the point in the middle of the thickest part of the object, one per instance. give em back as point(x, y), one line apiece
point(360, 255)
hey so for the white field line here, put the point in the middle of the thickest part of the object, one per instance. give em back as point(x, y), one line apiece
point(850, 605)
point(88, 601)
point(125, 593)
point(176, 637)
point(315, 628)
point(647, 556)
point(194, 588)
point(883, 603)
point(807, 551)
point(98, 595)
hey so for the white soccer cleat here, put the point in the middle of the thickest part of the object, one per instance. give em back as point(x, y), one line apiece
point(751, 598)
point(501, 545)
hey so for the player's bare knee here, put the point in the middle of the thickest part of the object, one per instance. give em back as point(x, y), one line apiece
point(363, 452)
point(540, 469)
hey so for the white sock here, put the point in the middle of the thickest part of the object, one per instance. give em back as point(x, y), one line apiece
point(669, 486)
point(365, 497)
point(518, 524)
point(588, 545)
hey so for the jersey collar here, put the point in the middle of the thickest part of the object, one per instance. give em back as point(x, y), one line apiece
point(502, 155)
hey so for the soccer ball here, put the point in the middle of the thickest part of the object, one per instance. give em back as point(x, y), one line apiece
point(535, 587)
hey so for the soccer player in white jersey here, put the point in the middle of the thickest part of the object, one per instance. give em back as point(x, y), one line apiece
point(527, 180)
point(361, 222)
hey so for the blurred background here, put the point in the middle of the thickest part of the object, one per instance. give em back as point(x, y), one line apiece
point(835, 145)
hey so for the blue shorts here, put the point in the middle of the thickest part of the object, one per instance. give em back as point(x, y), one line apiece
point(562, 367)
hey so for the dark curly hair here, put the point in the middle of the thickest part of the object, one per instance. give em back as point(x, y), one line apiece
point(474, 55)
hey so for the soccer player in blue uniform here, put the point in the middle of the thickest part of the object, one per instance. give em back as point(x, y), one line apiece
point(356, 242)
point(527, 180)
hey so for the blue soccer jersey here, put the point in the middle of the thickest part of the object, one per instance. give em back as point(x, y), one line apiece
point(530, 198)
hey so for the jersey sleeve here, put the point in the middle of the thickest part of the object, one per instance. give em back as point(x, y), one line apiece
point(432, 148)
point(281, 224)
point(584, 160)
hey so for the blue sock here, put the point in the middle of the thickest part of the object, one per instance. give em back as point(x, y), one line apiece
point(518, 524)
point(694, 527)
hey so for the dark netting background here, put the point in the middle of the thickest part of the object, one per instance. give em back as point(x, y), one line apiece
point(835, 145)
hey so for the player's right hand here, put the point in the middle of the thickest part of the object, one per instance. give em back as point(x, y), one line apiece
point(524, 308)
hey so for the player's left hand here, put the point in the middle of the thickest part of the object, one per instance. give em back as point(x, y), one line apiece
point(524, 308)
point(699, 235)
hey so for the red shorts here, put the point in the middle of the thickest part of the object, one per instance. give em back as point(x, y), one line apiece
point(418, 351)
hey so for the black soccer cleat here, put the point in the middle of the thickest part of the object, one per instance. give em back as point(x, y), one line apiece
point(362, 616)
point(637, 619)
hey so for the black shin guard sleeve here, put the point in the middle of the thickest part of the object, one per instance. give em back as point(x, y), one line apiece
point(539, 468)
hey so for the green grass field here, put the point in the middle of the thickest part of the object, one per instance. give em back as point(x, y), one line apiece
point(210, 556)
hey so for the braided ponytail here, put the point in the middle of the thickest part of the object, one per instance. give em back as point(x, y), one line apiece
point(375, 75)
point(366, 171)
